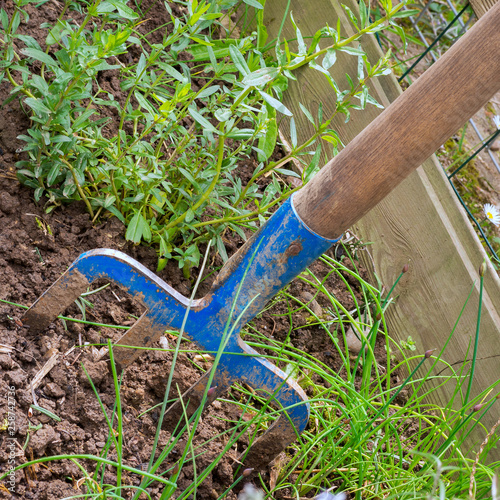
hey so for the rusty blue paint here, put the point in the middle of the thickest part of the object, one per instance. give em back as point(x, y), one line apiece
point(275, 255)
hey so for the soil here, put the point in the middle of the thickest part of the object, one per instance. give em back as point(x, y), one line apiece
point(35, 249)
point(31, 258)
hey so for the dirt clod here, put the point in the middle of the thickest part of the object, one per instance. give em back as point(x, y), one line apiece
point(42, 439)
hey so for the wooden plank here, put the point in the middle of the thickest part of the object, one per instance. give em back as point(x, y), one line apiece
point(420, 222)
point(482, 6)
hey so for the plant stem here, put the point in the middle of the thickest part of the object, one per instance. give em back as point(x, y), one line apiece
point(476, 341)
point(255, 213)
point(78, 187)
point(207, 193)
point(343, 43)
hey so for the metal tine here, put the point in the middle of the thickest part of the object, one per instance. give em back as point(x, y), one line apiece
point(264, 449)
point(143, 333)
point(55, 300)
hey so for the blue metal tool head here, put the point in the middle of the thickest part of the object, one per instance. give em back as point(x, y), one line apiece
point(276, 254)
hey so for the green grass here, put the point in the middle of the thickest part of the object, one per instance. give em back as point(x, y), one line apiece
point(374, 431)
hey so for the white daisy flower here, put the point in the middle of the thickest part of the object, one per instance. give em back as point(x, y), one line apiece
point(329, 496)
point(492, 213)
point(496, 121)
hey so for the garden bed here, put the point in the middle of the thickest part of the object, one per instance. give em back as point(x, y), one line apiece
point(35, 249)
point(365, 419)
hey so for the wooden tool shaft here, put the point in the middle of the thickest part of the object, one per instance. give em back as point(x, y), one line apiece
point(406, 133)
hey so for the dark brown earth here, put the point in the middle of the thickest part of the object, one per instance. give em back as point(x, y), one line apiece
point(31, 259)
point(35, 249)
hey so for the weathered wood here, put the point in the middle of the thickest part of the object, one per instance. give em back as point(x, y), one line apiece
point(482, 6)
point(406, 133)
point(420, 222)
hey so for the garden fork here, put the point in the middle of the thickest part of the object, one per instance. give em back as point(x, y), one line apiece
point(375, 162)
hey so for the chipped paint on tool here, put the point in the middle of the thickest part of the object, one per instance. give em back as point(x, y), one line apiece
point(275, 255)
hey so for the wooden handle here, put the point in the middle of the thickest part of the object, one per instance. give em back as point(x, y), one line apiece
point(406, 133)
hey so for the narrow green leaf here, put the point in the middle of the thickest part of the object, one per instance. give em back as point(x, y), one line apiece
point(300, 39)
point(117, 213)
point(267, 143)
point(363, 14)
point(285, 171)
point(172, 72)
point(189, 177)
point(361, 73)
point(240, 134)
point(330, 58)
point(201, 42)
point(5, 19)
point(373, 101)
point(54, 172)
point(222, 249)
point(274, 103)
point(56, 33)
point(202, 121)
point(81, 121)
point(39, 56)
point(37, 105)
point(213, 59)
point(135, 228)
point(141, 66)
point(103, 66)
point(189, 216)
point(105, 7)
point(293, 133)
point(222, 114)
point(351, 15)
point(260, 77)
point(401, 32)
point(145, 104)
point(352, 51)
point(16, 19)
point(253, 3)
point(405, 13)
point(306, 112)
point(40, 84)
point(208, 91)
point(123, 10)
point(38, 193)
point(239, 60)
point(238, 230)
point(319, 68)
point(313, 167)
point(46, 412)
point(363, 97)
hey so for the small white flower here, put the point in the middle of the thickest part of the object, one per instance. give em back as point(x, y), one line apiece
point(492, 213)
point(496, 121)
point(250, 492)
point(330, 496)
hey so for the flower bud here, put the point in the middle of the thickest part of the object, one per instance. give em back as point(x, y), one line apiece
point(247, 472)
point(211, 391)
point(175, 470)
point(482, 269)
point(428, 353)
point(477, 407)
point(406, 268)
point(378, 316)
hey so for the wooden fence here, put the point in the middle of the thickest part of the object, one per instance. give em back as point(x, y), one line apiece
point(420, 222)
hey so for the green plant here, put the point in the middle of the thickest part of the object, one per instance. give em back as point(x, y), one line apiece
point(168, 166)
point(369, 436)
point(372, 431)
